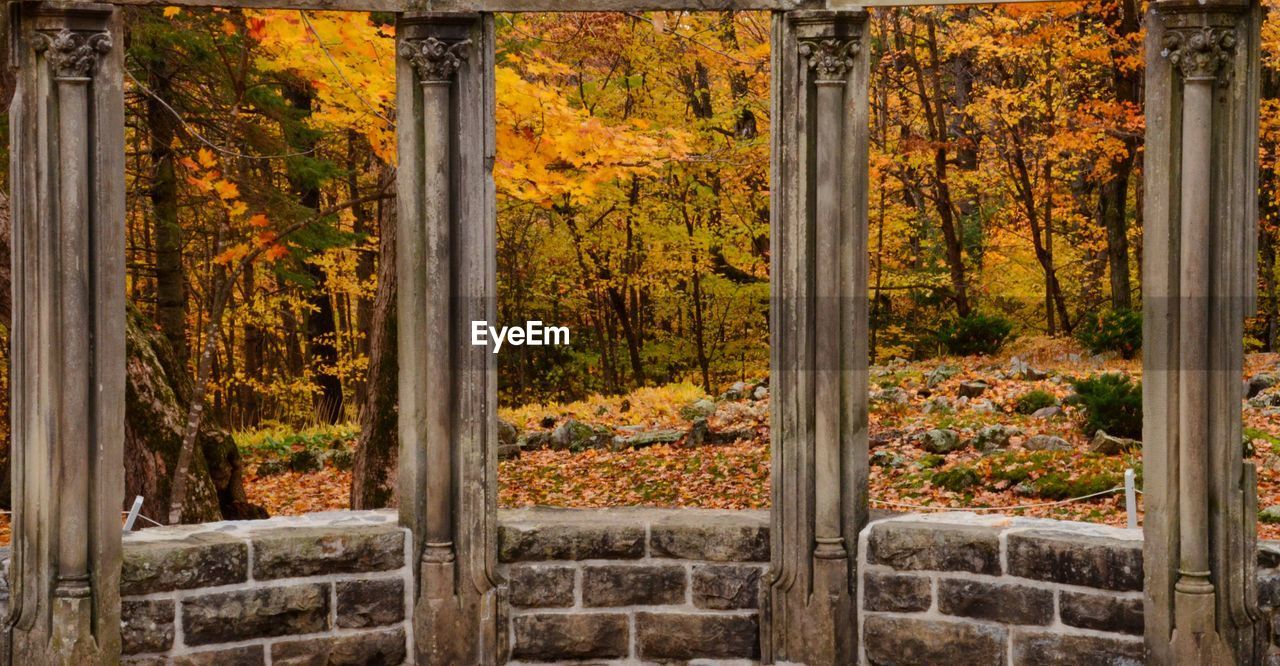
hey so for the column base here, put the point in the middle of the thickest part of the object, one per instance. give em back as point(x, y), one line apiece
point(1196, 641)
point(72, 641)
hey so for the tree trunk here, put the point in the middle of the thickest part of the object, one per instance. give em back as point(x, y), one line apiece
point(1122, 21)
point(320, 326)
point(171, 290)
point(158, 395)
point(373, 477)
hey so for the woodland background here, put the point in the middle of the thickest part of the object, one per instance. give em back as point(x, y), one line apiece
point(633, 186)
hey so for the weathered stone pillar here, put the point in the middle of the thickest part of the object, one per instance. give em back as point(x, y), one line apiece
point(819, 335)
point(446, 272)
point(67, 340)
point(1198, 286)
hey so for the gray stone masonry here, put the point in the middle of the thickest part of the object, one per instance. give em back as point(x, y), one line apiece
point(961, 588)
point(329, 588)
point(633, 585)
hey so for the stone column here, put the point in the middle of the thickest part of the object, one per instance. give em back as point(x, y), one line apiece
point(819, 335)
point(447, 276)
point(1198, 284)
point(67, 340)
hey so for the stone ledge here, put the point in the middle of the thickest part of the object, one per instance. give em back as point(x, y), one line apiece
point(890, 641)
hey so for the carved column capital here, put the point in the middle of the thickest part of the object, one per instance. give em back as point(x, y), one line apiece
point(74, 55)
point(435, 60)
point(830, 58)
point(1200, 53)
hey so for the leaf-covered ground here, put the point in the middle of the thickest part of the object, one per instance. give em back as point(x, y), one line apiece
point(292, 473)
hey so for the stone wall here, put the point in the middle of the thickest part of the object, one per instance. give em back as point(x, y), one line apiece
point(640, 586)
point(320, 589)
point(997, 590)
point(634, 584)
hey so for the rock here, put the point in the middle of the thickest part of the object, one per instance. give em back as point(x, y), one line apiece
point(293, 552)
point(884, 458)
point(369, 603)
point(940, 440)
point(697, 432)
point(938, 404)
point(940, 374)
point(909, 545)
point(682, 636)
point(1074, 559)
point(304, 461)
point(541, 586)
point(726, 586)
point(257, 613)
point(1110, 445)
point(893, 641)
point(892, 395)
point(547, 422)
point(1259, 383)
point(1054, 648)
point(574, 435)
point(897, 593)
point(1270, 514)
point(643, 439)
point(760, 393)
point(1047, 412)
point(569, 536)
point(700, 409)
point(507, 434)
point(624, 406)
point(555, 637)
point(1022, 369)
point(377, 647)
point(730, 436)
point(731, 537)
point(1266, 398)
point(983, 406)
point(1004, 603)
point(613, 585)
point(207, 559)
point(146, 626)
point(994, 437)
point(973, 389)
point(1102, 612)
point(1046, 443)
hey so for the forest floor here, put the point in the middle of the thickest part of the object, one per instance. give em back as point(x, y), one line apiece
point(591, 453)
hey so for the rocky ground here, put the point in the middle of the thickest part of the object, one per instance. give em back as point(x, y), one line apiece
point(973, 432)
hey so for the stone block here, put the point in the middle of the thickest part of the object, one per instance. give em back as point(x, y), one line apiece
point(249, 655)
point(146, 625)
point(554, 637)
point(261, 612)
point(718, 536)
point(198, 560)
point(569, 535)
point(1056, 649)
point(899, 641)
point(370, 603)
point(541, 586)
point(632, 585)
point(1268, 588)
point(1103, 612)
point(290, 552)
point(372, 648)
point(697, 636)
point(1076, 559)
point(909, 545)
point(726, 586)
point(899, 593)
point(1006, 603)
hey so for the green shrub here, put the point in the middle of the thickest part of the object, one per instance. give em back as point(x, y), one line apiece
point(1119, 331)
point(1111, 402)
point(956, 478)
point(1029, 402)
point(975, 334)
